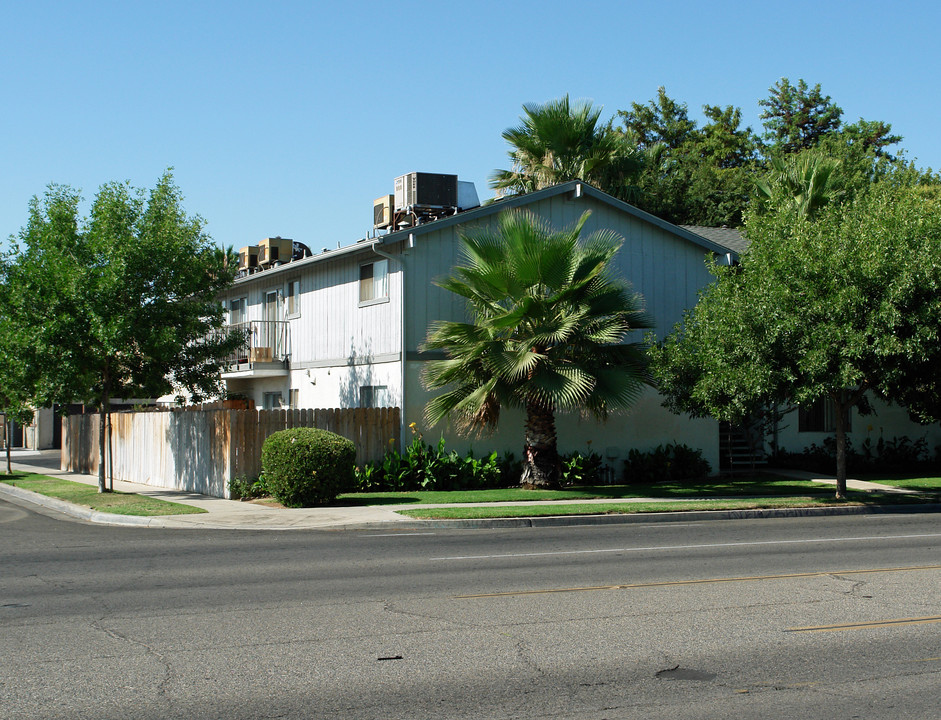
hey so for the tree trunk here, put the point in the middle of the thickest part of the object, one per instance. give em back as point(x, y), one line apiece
point(102, 415)
point(840, 407)
point(541, 467)
point(103, 409)
point(9, 439)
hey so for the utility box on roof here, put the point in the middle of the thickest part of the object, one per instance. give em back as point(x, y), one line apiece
point(426, 190)
point(248, 257)
point(382, 212)
point(276, 249)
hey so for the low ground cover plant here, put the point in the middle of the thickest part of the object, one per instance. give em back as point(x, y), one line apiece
point(307, 466)
point(899, 454)
point(246, 488)
point(423, 466)
point(665, 463)
point(430, 467)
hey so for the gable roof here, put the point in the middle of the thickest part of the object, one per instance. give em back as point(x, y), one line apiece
point(715, 243)
point(576, 187)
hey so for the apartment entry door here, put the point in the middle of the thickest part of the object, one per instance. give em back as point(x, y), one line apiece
point(271, 332)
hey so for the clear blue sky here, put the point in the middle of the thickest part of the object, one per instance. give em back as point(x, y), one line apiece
point(290, 118)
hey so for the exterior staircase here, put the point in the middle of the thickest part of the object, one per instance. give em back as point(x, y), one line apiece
point(736, 453)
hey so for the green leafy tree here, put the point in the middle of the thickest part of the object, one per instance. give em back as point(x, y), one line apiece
point(662, 120)
point(560, 141)
point(547, 335)
point(16, 385)
point(123, 304)
point(832, 306)
point(796, 118)
point(694, 176)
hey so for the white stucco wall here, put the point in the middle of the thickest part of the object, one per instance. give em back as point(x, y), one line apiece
point(889, 421)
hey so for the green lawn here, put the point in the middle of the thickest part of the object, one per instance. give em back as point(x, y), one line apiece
point(475, 512)
point(761, 485)
point(739, 493)
point(88, 496)
point(908, 482)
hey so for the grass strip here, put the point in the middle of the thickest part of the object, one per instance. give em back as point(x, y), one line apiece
point(478, 513)
point(755, 486)
point(88, 496)
point(907, 482)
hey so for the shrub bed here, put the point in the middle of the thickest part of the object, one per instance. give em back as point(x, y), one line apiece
point(895, 455)
point(665, 463)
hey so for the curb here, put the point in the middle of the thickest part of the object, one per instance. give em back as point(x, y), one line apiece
point(649, 517)
point(102, 518)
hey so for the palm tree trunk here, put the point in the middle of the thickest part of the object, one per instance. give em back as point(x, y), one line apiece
point(541, 467)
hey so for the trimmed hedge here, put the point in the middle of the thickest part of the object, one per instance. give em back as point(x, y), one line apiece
point(307, 466)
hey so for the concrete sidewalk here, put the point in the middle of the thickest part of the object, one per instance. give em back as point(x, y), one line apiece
point(224, 514)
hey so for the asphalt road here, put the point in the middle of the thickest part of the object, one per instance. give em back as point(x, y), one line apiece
point(832, 617)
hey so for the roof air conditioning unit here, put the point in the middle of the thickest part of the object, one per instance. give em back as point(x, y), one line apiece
point(276, 249)
point(382, 212)
point(426, 190)
point(248, 257)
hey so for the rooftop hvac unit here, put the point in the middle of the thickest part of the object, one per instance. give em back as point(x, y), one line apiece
point(427, 190)
point(276, 249)
point(248, 257)
point(382, 212)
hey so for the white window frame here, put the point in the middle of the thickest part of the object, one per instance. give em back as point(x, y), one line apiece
point(374, 282)
point(374, 396)
point(238, 310)
point(292, 298)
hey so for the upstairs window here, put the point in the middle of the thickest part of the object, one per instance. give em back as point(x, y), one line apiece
point(374, 282)
point(293, 299)
point(237, 311)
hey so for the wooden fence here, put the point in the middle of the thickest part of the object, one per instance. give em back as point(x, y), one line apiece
point(201, 450)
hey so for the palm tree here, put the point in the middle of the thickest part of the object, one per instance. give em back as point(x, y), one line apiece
point(802, 183)
point(547, 335)
point(560, 141)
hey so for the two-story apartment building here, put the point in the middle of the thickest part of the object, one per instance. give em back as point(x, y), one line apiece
point(344, 327)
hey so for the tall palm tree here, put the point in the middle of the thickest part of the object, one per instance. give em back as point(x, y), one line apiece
point(560, 141)
point(549, 321)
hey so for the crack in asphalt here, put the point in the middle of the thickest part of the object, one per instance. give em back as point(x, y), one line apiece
point(162, 686)
point(855, 585)
point(391, 608)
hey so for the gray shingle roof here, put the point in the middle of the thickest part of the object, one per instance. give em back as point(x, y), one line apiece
point(725, 236)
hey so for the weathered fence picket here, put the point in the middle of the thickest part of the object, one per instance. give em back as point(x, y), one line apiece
point(201, 450)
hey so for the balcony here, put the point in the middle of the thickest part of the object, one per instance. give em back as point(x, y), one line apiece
point(264, 352)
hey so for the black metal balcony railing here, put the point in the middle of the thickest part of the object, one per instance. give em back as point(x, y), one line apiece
point(264, 341)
